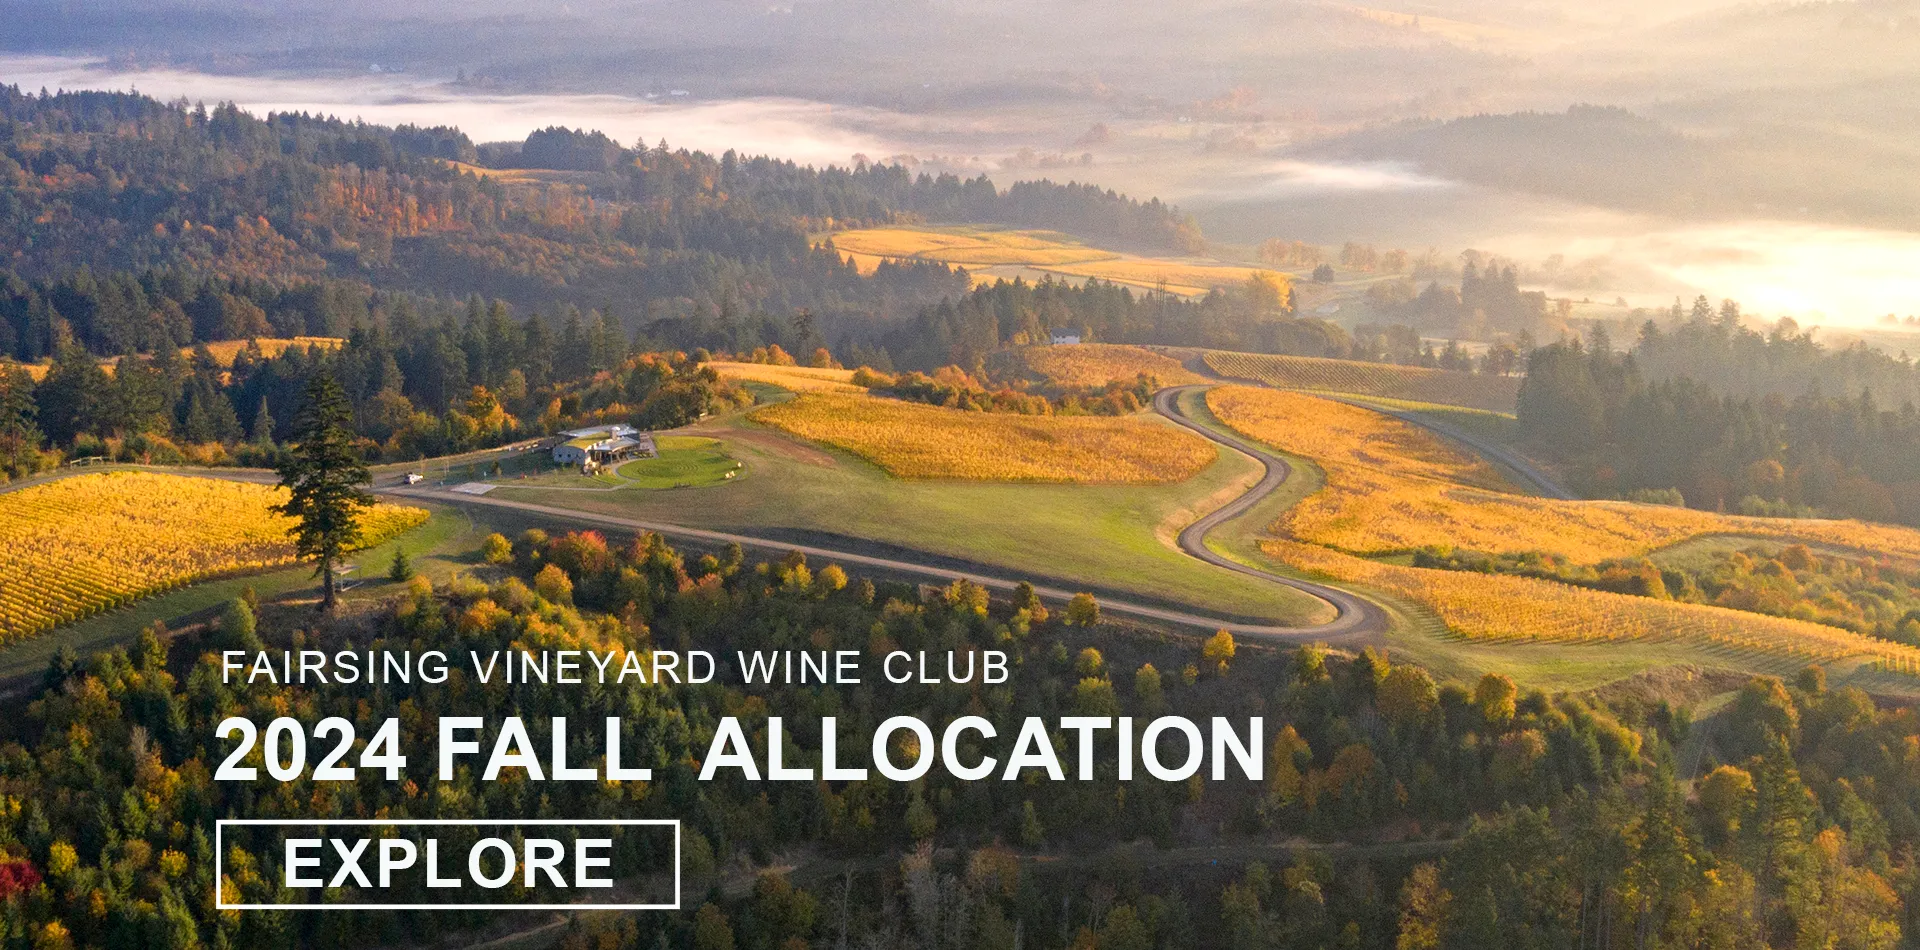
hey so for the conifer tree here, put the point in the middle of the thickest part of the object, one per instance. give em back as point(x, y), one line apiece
point(323, 474)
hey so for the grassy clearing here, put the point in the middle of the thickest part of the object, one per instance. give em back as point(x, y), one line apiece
point(1500, 428)
point(912, 440)
point(991, 254)
point(1708, 551)
point(685, 462)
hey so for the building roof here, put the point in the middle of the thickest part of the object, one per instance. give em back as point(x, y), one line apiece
point(603, 441)
point(600, 432)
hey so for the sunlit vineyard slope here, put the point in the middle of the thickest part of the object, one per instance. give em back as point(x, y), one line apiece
point(80, 545)
point(796, 378)
point(1394, 487)
point(1523, 609)
point(912, 440)
point(1097, 364)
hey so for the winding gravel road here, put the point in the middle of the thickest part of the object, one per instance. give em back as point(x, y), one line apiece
point(1359, 618)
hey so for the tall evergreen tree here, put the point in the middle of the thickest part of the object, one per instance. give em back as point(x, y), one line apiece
point(323, 474)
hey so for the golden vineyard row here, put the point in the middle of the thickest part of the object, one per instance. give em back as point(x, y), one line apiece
point(81, 545)
point(1385, 380)
point(912, 440)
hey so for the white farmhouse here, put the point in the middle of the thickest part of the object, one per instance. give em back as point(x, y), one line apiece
point(1065, 337)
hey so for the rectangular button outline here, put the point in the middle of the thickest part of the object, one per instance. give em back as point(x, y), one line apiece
point(220, 856)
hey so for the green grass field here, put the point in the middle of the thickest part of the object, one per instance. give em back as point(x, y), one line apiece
point(685, 461)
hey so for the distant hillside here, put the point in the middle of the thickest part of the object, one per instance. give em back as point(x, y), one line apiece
point(1612, 157)
point(136, 224)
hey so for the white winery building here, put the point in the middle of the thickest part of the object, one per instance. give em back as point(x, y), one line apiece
point(600, 445)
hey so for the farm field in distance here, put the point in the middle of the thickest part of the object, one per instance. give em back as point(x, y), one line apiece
point(794, 378)
point(991, 253)
point(78, 545)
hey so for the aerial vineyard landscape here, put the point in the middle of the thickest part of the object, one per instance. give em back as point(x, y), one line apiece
point(94, 542)
point(846, 475)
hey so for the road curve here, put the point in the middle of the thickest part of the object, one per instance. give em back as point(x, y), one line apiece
point(1358, 617)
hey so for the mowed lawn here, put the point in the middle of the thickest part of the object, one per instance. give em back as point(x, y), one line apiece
point(685, 461)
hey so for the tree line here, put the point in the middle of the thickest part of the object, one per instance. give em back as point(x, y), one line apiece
point(1670, 416)
point(420, 382)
